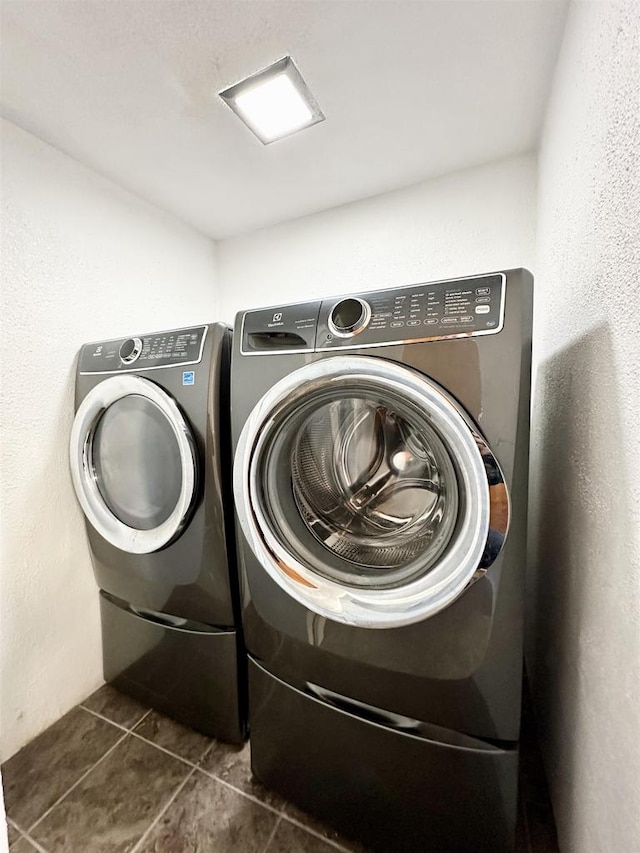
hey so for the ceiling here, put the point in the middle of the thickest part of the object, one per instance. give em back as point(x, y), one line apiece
point(410, 90)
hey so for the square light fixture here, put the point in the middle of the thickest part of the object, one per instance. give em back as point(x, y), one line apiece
point(274, 102)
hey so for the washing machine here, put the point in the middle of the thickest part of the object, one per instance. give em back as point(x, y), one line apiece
point(150, 463)
point(380, 485)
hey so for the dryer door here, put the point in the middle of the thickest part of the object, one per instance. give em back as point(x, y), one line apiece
point(367, 493)
point(133, 463)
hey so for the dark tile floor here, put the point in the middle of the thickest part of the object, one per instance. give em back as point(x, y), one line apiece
point(113, 776)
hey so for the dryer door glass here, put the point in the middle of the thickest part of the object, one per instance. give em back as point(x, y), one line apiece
point(133, 464)
point(136, 459)
point(367, 492)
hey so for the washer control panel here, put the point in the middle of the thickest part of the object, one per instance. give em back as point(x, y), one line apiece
point(162, 349)
point(421, 312)
point(431, 311)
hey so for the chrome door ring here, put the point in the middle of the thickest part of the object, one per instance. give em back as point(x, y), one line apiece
point(486, 508)
point(82, 471)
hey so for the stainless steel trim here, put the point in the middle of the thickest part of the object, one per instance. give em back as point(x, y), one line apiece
point(359, 327)
point(499, 506)
point(138, 369)
point(135, 353)
point(365, 607)
point(203, 326)
point(393, 343)
point(400, 342)
point(82, 471)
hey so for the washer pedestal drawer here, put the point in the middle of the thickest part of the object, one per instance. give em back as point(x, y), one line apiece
point(190, 672)
point(380, 780)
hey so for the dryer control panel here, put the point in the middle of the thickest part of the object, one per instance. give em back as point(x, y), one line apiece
point(160, 349)
point(430, 311)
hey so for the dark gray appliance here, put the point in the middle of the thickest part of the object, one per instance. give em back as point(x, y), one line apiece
point(150, 462)
point(380, 483)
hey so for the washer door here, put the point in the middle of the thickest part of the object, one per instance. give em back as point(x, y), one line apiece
point(133, 464)
point(367, 493)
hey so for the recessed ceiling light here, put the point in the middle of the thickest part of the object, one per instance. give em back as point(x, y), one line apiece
point(275, 102)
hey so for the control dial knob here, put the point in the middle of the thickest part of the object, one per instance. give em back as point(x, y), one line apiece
point(349, 317)
point(130, 350)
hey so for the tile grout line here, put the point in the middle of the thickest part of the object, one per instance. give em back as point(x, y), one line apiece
point(150, 742)
point(13, 823)
point(280, 814)
point(240, 791)
point(144, 716)
point(210, 774)
point(191, 764)
point(331, 841)
point(209, 749)
point(165, 750)
point(162, 811)
point(77, 782)
point(273, 833)
point(194, 766)
point(113, 722)
point(21, 832)
point(33, 843)
point(214, 741)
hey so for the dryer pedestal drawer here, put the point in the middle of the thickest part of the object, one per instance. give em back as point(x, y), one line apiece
point(385, 787)
point(188, 671)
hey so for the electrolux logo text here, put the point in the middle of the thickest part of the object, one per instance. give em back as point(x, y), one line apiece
point(276, 321)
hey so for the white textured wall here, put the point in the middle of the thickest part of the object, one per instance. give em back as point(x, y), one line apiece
point(584, 638)
point(82, 260)
point(472, 221)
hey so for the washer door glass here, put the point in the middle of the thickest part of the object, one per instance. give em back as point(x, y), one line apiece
point(366, 491)
point(133, 463)
point(136, 459)
point(372, 483)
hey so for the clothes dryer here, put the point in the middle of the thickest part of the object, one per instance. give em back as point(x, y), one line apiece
point(150, 463)
point(380, 483)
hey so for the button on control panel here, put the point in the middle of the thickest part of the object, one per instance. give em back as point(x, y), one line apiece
point(166, 349)
point(420, 312)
